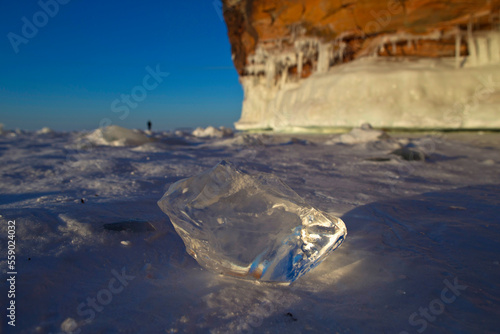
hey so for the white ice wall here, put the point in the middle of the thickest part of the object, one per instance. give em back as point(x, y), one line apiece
point(386, 92)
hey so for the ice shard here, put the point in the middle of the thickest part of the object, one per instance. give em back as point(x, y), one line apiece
point(250, 226)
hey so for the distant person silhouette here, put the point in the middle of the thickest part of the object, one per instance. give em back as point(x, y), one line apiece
point(149, 125)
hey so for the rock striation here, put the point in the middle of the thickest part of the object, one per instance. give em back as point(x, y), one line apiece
point(302, 62)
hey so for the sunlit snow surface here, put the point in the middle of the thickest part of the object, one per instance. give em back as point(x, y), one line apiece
point(415, 228)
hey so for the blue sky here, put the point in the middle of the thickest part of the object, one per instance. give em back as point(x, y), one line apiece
point(75, 69)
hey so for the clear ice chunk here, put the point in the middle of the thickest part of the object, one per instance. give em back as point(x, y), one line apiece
point(250, 226)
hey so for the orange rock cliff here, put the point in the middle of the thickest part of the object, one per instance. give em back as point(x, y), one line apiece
point(278, 44)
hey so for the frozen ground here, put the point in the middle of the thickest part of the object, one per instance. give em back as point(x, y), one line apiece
point(422, 252)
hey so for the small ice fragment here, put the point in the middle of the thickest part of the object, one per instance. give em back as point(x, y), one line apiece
point(115, 135)
point(45, 130)
point(366, 126)
point(410, 154)
point(250, 226)
point(212, 132)
point(69, 325)
point(359, 135)
point(126, 243)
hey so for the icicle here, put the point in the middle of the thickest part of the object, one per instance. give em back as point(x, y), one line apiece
point(284, 76)
point(471, 43)
point(323, 58)
point(495, 47)
point(270, 72)
point(483, 50)
point(499, 20)
point(341, 51)
point(458, 43)
point(300, 64)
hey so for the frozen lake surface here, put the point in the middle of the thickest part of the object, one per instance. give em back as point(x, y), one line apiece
point(422, 252)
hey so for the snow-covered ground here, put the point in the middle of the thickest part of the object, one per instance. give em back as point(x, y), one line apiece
point(422, 252)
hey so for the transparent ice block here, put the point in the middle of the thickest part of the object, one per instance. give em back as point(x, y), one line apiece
point(250, 226)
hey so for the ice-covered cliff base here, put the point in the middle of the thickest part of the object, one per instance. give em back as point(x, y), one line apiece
point(420, 93)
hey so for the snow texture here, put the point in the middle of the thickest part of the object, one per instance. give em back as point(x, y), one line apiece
point(115, 135)
point(212, 132)
point(358, 135)
point(422, 253)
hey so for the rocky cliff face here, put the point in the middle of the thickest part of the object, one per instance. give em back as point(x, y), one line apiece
point(277, 45)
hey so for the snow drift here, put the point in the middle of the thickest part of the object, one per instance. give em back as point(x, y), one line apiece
point(115, 135)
